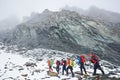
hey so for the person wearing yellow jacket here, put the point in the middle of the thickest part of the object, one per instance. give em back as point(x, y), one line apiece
point(70, 64)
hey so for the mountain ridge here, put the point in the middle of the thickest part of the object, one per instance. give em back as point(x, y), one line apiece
point(67, 31)
point(97, 14)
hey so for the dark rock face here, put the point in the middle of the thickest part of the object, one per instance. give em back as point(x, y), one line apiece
point(68, 31)
point(114, 46)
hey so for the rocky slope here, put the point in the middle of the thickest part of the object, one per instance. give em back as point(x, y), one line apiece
point(26, 64)
point(67, 31)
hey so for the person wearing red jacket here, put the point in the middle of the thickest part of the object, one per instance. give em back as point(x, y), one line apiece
point(57, 66)
point(83, 60)
point(50, 65)
point(95, 60)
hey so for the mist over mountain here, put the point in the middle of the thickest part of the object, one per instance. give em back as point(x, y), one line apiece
point(6, 28)
point(9, 23)
point(110, 19)
point(97, 13)
point(67, 31)
point(104, 15)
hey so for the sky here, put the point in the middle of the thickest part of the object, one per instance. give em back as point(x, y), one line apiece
point(22, 8)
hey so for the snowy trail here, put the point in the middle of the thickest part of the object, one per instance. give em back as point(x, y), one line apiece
point(13, 66)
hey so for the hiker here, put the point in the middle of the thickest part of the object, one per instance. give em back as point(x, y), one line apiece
point(50, 63)
point(95, 60)
point(63, 66)
point(70, 64)
point(57, 66)
point(82, 61)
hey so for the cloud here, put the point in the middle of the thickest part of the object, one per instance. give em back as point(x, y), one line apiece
point(25, 7)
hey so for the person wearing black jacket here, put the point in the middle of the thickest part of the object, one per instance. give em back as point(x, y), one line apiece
point(95, 60)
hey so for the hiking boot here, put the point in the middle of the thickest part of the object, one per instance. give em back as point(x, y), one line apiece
point(103, 73)
point(94, 74)
point(66, 74)
point(81, 73)
point(72, 75)
point(86, 74)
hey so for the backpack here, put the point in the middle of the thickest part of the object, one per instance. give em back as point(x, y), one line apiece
point(58, 62)
point(79, 59)
point(68, 62)
point(83, 59)
point(94, 59)
point(71, 63)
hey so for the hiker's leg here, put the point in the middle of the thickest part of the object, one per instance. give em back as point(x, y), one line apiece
point(101, 70)
point(95, 68)
point(62, 70)
point(71, 69)
point(84, 69)
point(58, 69)
point(67, 70)
point(81, 66)
point(49, 68)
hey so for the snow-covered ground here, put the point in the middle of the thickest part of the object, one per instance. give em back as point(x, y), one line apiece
point(13, 65)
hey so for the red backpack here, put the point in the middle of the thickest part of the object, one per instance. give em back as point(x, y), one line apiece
point(83, 59)
point(57, 62)
point(94, 59)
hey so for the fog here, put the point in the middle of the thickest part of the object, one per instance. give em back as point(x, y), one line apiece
point(22, 8)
